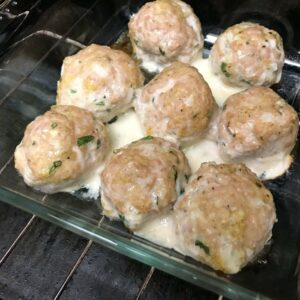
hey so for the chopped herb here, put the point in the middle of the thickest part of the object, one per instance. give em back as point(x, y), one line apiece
point(115, 151)
point(72, 91)
point(98, 143)
point(224, 69)
point(122, 218)
point(152, 99)
point(147, 138)
point(84, 140)
point(108, 110)
point(175, 172)
point(114, 119)
point(56, 164)
point(186, 176)
point(100, 103)
point(53, 125)
point(162, 52)
point(202, 246)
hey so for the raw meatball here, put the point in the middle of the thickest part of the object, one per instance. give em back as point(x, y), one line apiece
point(248, 54)
point(165, 31)
point(142, 180)
point(225, 217)
point(99, 79)
point(256, 122)
point(177, 104)
point(60, 147)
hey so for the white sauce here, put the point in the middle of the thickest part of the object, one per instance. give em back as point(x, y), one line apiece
point(203, 151)
point(265, 168)
point(90, 181)
point(161, 230)
point(221, 91)
point(125, 130)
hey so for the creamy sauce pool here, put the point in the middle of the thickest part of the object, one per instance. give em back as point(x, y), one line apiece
point(161, 230)
point(221, 91)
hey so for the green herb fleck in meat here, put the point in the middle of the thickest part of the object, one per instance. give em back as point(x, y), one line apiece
point(84, 140)
point(100, 103)
point(53, 125)
point(72, 91)
point(202, 246)
point(224, 69)
point(147, 138)
point(56, 164)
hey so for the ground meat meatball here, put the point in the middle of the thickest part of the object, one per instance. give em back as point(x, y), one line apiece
point(99, 79)
point(256, 122)
point(165, 31)
point(59, 147)
point(225, 217)
point(142, 180)
point(248, 54)
point(177, 104)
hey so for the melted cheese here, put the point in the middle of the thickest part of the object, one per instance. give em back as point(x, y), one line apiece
point(221, 91)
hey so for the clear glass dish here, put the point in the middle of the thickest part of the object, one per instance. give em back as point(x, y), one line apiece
point(29, 70)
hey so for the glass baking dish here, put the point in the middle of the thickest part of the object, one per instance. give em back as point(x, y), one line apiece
point(29, 70)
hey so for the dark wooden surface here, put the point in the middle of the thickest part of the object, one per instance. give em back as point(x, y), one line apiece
point(44, 256)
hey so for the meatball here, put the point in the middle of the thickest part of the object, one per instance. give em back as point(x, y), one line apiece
point(177, 104)
point(59, 147)
point(143, 179)
point(165, 31)
point(248, 54)
point(225, 217)
point(99, 79)
point(256, 122)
